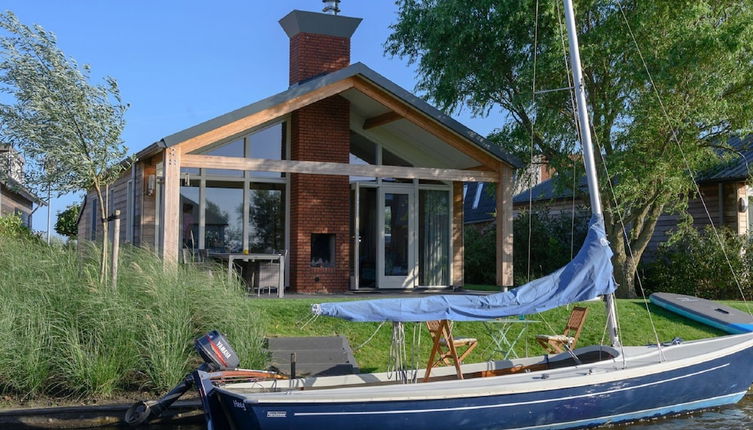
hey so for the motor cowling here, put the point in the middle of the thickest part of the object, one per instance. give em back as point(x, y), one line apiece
point(216, 351)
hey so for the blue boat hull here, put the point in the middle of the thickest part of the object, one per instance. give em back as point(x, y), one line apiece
point(707, 384)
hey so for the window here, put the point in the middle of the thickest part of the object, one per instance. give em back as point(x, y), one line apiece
point(266, 216)
point(93, 225)
point(266, 143)
point(232, 149)
point(223, 217)
point(129, 212)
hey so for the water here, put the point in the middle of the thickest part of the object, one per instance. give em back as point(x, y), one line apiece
point(735, 417)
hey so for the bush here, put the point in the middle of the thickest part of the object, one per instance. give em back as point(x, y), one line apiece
point(67, 222)
point(693, 262)
point(551, 239)
point(11, 227)
point(66, 334)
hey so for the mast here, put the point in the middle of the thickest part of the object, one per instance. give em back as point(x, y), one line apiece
point(587, 145)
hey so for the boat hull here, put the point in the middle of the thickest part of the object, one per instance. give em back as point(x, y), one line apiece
point(706, 384)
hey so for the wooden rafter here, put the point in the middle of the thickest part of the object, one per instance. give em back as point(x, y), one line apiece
point(381, 120)
point(246, 123)
point(428, 124)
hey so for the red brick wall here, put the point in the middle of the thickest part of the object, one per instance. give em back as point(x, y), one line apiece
point(320, 203)
point(315, 54)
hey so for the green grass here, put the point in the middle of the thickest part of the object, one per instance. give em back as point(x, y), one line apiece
point(66, 335)
point(290, 317)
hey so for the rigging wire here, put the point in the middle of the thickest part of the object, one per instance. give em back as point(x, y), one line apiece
point(533, 122)
point(531, 150)
point(684, 157)
point(571, 92)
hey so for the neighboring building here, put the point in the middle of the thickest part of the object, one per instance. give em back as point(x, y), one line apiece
point(357, 180)
point(15, 199)
point(725, 191)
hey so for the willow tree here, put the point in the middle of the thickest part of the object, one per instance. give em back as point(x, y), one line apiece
point(667, 82)
point(67, 128)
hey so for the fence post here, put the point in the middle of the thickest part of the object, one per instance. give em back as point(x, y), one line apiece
point(115, 248)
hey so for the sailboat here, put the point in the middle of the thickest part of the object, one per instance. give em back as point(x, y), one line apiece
point(583, 387)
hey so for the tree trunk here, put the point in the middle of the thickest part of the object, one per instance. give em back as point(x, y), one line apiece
point(624, 274)
point(105, 235)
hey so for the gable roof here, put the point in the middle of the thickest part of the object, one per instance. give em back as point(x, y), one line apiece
point(305, 87)
point(12, 185)
point(735, 169)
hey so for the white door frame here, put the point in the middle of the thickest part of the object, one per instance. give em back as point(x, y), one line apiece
point(410, 280)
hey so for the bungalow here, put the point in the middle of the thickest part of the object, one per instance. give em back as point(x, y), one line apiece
point(15, 199)
point(357, 181)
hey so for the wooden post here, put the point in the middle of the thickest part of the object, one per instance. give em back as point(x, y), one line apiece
point(742, 217)
point(458, 250)
point(115, 247)
point(504, 227)
point(171, 212)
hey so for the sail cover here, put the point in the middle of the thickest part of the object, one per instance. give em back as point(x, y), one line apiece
point(587, 276)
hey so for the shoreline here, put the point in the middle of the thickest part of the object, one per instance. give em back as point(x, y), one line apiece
point(182, 412)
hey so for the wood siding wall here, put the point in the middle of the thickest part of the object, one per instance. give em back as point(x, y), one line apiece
point(117, 200)
point(12, 201)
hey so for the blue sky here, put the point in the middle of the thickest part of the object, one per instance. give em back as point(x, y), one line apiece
point(179, 63)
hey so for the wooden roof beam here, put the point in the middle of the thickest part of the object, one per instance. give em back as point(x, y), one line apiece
point(381, 120)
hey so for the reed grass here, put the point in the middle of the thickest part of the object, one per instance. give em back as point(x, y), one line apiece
point(65, 334)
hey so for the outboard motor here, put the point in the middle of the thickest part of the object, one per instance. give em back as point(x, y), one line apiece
point(217, 354)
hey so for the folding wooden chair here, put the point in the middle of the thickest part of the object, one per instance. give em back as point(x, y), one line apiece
point(445, 348)
point(554, 344)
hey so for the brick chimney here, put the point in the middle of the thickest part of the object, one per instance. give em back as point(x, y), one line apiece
point(319, 43)
point(319, 204)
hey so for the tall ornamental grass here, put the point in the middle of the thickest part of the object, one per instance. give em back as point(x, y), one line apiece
point(65, 334)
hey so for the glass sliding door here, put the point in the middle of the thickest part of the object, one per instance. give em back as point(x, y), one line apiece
point(367, 238)
point(189, 216)
point(396, 245)
point(433, 238)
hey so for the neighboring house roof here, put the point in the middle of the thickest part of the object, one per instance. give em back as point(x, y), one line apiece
point(736, 169)
point(547, 190)
point(479, 203)
point(16, 187)
point(305, 87)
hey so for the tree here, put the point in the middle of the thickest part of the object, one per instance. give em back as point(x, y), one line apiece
point(651, 129)
point(67, 221)
point(67, 128)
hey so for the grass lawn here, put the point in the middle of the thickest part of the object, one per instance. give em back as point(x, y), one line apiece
point(290, 317)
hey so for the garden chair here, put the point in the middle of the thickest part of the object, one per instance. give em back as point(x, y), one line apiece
point(555, 344)
point(445, 347)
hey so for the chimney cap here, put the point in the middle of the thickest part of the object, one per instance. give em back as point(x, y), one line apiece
point(299, 21)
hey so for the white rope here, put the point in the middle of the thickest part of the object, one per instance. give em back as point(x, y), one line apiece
point(370, 337)
point(398, 354)
point(308, 321)
point(685, 159)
